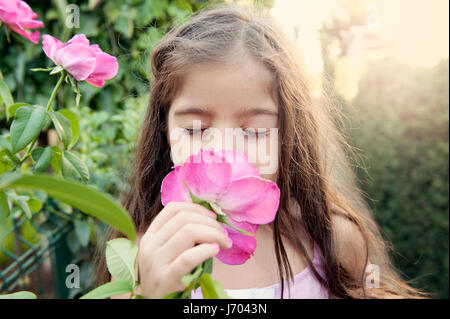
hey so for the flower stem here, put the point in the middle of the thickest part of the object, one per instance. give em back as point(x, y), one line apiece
point(49, 104)
point(223, 219)
point(220, 216)
point(55, 90)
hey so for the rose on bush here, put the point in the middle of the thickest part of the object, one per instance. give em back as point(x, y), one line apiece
point(19, 17)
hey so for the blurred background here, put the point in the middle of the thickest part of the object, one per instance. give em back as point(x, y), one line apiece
point(386, 62)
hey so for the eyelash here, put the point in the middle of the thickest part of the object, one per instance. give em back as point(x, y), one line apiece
point(252, 133)
point(192, 131)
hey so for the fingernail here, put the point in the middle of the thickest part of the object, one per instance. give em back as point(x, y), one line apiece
point(215, 246)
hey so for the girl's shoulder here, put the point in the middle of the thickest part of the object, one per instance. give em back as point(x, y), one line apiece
point(350, 244)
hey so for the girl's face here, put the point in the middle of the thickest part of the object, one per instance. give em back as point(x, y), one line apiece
point(226, 106)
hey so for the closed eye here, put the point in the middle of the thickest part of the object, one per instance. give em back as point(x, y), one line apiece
point(252, 132)
point(195, 131)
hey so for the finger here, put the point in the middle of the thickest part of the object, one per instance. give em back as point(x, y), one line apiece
point(172, 208)
point(190, 235)
point(177, 221)
point(190, 259)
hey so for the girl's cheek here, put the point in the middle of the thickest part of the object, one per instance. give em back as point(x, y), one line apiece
point(265, 156)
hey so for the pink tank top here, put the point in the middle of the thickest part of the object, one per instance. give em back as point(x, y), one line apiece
point(306, 286)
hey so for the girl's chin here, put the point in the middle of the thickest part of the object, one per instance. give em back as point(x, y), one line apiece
point(271, 177)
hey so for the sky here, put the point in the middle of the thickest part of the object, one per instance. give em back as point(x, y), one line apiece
point(416, 31)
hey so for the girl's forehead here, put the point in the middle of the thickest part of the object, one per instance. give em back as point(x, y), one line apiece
point(226, 86)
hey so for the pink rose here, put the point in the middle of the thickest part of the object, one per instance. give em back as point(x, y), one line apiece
point(227, 180)
point(83, 61)
point(18, 16)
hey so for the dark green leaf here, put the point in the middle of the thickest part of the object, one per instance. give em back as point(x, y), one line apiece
point(42, 157)
point(5, 94)
point(83, 231)
point(85, 198)
point(73, 168)
point(12, 109)
point(63, 127)
point(56, 159)
point(26, 126)
point(4, 208)
point(73, 124)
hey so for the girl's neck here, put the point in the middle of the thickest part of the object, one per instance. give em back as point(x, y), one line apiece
point(261, 270)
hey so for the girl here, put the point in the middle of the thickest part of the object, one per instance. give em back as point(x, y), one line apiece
point(231, 68)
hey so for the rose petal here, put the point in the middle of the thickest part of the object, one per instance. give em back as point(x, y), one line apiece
point(96, 48)
point(251, 199)
point(171, 191)
point(78, 59)
point(243, 245)
point(239, 164)
point(95, 82)
point(31, 24)
point(50, 45)
point(33, 37)
point(106, 67)
point(206, 174)
point(79, 38)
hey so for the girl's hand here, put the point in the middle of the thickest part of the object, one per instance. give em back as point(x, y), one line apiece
point(182, 236)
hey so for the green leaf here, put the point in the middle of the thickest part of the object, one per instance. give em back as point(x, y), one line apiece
point(73, 124)
point(73, 168)
point(73, 242)
point(56, 159)
point(83, 231)
point(211, 289)
point(19, 295)
point(194, 275)
point(174, 295)
point(5, 94)
point(83, 197)
point(109, 289)
point(4, 208)
point(12, 109)
point(26, 126)
point(22, 201)
point(42, 157)
point(34, 204)
point(5, 143)
point(207, 266)
point(63, 127)
point(121, 258)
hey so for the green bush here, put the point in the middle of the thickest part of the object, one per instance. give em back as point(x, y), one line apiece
point(109, 116)
point(399, 121)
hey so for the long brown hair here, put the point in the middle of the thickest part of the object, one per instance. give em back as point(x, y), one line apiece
point(313, 161)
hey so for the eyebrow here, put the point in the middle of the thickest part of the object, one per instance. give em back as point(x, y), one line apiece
point(200, 110)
